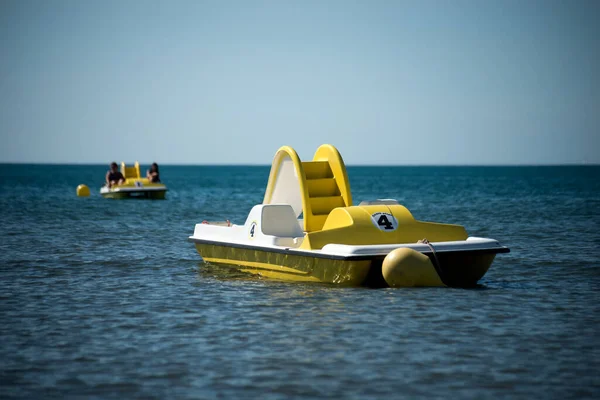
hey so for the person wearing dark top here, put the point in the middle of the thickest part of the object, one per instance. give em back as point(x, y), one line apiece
point(152, 174)
point(114, 176)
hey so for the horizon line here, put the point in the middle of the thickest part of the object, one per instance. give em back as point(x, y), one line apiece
point(572, 164)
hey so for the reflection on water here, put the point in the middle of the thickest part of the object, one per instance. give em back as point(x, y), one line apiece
point(212, 270)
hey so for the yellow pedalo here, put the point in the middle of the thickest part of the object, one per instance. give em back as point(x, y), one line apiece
point(134, 186)
point(307, 229)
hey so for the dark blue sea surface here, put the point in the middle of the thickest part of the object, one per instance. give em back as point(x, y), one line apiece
point(107, 299)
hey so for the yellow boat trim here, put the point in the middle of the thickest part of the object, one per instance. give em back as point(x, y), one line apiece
point(289, 267)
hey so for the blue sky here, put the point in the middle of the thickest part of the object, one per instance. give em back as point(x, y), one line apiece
point(229, 82)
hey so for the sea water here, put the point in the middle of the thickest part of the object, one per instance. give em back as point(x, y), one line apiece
point(108, 299)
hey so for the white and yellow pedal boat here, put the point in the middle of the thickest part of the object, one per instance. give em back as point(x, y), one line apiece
point(134, 186)
point(307, 230)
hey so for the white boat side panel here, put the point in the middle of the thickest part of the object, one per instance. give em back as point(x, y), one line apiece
point(140, 189)
point(252, 233)
point(104, 189)
point(237, 234)
point(472, 243)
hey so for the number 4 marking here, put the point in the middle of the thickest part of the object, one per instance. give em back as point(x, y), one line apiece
point(383, 221)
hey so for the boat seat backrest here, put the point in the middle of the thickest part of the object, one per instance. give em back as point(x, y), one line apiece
point(280, 220)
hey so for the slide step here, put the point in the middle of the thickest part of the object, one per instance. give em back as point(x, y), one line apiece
point(317, 169)
point(324, 205)
point(322, 187)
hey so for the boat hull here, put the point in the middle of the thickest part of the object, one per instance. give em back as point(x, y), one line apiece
point(455, 268)
point(288, 267)
point(134, 194)
point(463, 269)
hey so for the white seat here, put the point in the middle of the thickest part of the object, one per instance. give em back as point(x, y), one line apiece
point(280, 220)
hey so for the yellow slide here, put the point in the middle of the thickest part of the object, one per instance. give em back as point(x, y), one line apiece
point(312, 188)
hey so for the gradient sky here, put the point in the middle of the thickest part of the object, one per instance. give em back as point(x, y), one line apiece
point(229, 82)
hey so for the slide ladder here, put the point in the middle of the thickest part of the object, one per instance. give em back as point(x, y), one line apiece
point(312, 188)
point(131, 172)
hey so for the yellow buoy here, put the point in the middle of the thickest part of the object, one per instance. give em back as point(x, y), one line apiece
point(406, 267)
point(83, 191)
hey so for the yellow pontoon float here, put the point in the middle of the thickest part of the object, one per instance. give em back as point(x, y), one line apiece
point(307, 230)
point(134, 186)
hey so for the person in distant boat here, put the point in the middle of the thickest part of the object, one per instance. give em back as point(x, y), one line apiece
point(114, 176)
point(152, 174)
